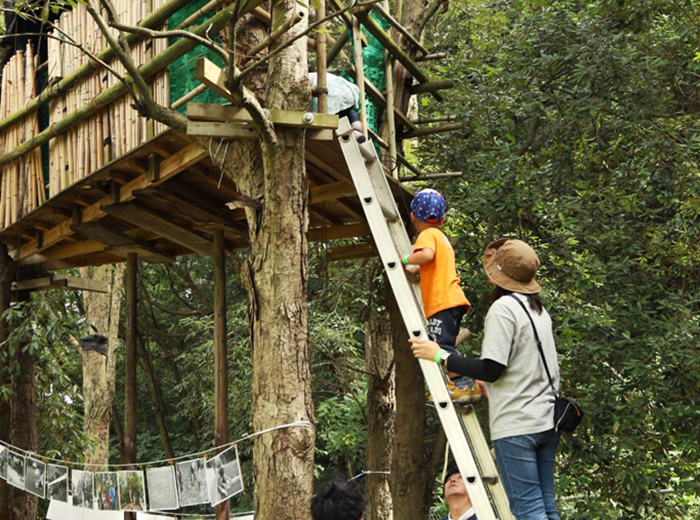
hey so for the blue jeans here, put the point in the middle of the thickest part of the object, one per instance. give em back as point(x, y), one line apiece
point(526, 463)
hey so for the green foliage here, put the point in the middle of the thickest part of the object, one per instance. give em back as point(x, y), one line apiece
point(605, 187)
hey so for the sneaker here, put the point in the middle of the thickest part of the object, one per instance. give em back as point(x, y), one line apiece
point(466, 395)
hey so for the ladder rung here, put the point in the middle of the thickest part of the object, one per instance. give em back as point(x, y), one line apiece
point(490, 479)
point(368, 155)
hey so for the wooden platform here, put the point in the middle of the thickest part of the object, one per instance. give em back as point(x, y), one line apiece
point(162, 200)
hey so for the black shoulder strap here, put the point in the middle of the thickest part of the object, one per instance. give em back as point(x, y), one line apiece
point(539, 343)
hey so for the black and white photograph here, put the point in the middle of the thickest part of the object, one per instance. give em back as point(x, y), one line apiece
point(83, 489)
point(224, 476)
point(15, 469)
point(132, 491)
point(192, 482)
point(107, 490)
point(57, 482)
point(36, 473)
point(3, 462)
point(162, 490)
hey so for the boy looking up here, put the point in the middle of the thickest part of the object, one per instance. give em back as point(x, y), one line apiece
point(443, 300)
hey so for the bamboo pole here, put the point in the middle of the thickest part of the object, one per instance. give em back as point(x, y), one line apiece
point(152, 67)
point(321, 56)
point(359, 67)
point(390, 115)
point(384, 11)
point(199, 13)
point(155, 20)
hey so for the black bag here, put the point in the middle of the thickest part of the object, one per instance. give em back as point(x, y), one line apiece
point(567, 414)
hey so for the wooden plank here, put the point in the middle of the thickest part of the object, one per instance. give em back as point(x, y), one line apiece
point(33, 284)
point(333, 191)
point(191, 154)
point(120, 243)
point(146, 219)
point(237, 131)
point(338, 232)
point(231, 114)
point(221, 130)
point(352, 252)
point(146, 253)
point(83, 284)
point(213, 77)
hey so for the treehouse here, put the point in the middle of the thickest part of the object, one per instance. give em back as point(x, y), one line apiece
point(86, 180)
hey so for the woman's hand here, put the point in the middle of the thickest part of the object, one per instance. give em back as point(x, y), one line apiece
point(424, 348)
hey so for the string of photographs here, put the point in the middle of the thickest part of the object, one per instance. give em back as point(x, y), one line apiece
point(186, 483)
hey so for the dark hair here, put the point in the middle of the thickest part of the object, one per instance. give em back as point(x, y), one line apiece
point(450, 471)
point(340, 499)
point(533, 299)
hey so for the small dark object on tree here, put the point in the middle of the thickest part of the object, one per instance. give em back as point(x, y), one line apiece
point(94, 342)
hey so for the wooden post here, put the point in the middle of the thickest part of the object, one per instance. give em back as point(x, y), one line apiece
point(321, 55)
point(390, 118)
point(359, 67)
point(130, 367)
point(220, 355)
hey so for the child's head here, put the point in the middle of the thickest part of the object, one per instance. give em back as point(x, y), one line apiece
point(428, 206)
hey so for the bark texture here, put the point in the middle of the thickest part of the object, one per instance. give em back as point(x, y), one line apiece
point(275, 274)
point(381, 406)
point(102, 314)
point(411, 481)
point(23, 424)
point(7, 274)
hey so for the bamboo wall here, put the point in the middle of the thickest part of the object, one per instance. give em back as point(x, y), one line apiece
point(22, 184)
point(91, 144)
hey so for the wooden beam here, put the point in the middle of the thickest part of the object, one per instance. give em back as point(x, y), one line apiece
point(346, 16)
point(352, 252)
point(337, 46)
point(208, 73)
point(434, 56)
point(333, 191)
point(169, 167)
point(130, 360)
point(429, 130)
point(401, 29)
point(231, 114)
point(431, 86)
point(439, 119)
point(338, 232)
point(396, 51)
point(163, 226)
point(82, 284)
point(430, 176)
point(120, 243)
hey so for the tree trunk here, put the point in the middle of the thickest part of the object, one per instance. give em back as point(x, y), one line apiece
point(411, 481)
point(381, 406)
point(102, 314)
point(275, 275)
point(23, 428)
point(7, 274)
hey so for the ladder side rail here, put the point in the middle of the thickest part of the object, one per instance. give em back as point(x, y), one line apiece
point(415, 323)
point(480, 448)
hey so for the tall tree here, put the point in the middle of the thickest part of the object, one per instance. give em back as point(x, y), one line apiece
point(102, 315)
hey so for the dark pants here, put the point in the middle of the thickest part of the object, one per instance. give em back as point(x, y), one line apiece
point(350, 114)
point(443, 327)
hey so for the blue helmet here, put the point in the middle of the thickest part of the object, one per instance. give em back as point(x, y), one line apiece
point(428, 206)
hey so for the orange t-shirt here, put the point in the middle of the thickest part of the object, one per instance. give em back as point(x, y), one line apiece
point(439, 285)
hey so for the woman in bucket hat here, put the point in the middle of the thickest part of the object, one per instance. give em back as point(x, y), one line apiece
point(521, 402)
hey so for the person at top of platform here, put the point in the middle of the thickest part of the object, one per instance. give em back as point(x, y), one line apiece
point(457, 497)
point(340, 499)
point(521, 401)
point(343, 98)
point(443, 299)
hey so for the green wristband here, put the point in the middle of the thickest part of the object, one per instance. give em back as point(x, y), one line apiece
point(405, 260)
point(438, 356)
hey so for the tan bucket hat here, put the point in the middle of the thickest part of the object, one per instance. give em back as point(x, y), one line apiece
point(511, 264)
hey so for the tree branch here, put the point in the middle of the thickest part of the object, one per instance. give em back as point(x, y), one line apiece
point(530, 136)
